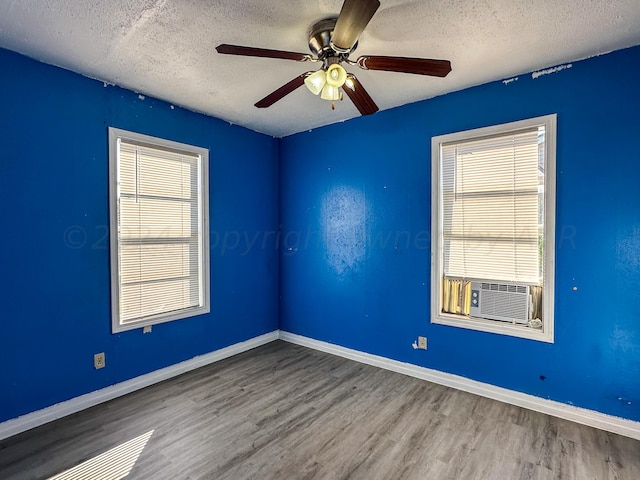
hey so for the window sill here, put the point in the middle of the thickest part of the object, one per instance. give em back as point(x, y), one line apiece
point(494, 326)
point(118, 327)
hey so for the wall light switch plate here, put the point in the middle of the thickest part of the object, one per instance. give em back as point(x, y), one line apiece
point(422, 343)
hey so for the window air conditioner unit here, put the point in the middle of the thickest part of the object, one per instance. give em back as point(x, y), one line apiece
point(501, 301)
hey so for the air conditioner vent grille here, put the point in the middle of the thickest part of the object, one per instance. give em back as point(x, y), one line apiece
point(502, 287)
point(501, 301)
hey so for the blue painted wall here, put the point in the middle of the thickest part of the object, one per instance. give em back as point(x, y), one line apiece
point(55, 311)
point(354, 243)
point(355, 257)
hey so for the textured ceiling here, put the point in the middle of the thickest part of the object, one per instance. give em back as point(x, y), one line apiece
point(166, 48)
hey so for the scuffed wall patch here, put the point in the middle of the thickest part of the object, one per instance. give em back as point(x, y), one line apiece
point(343, 219)
point(549, 71)
point(510, 80)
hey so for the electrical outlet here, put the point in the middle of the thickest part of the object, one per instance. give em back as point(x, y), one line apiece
point(422, 343)
point(98, 360)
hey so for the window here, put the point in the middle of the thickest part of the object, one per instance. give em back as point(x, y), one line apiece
point(159, 230)
point(493, 221)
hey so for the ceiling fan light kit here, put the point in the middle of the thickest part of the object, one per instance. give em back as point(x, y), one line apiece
point(331, 41)
point(336, 75)
point(330, 93)
point(316, 81)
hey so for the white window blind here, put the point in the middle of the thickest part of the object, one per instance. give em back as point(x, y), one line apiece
point(159, 234)
point(493, 223)
point(492, 190)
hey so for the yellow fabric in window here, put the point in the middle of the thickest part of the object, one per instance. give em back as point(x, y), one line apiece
point(456, 296)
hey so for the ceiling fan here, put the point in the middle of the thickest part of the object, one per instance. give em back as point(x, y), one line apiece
point(331, 41)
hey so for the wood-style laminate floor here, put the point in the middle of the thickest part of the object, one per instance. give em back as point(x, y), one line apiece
point(287, 412)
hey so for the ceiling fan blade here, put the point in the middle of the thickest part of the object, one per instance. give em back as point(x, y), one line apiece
point(261, 52)
point(420, 66)
point(359, 96)
point(354, 17)
point(283, 91)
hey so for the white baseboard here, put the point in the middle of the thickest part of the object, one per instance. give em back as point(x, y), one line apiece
point(583, 416)
point(591, 418)
point(54, 412)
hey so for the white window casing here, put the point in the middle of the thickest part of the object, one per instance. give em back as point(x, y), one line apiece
point(493, 225)
point(159, 234)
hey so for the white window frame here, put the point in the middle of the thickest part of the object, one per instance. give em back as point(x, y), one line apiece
point(116, 134)
point(546, 334)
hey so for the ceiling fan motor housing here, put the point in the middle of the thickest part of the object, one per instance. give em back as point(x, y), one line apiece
point(320, 40)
